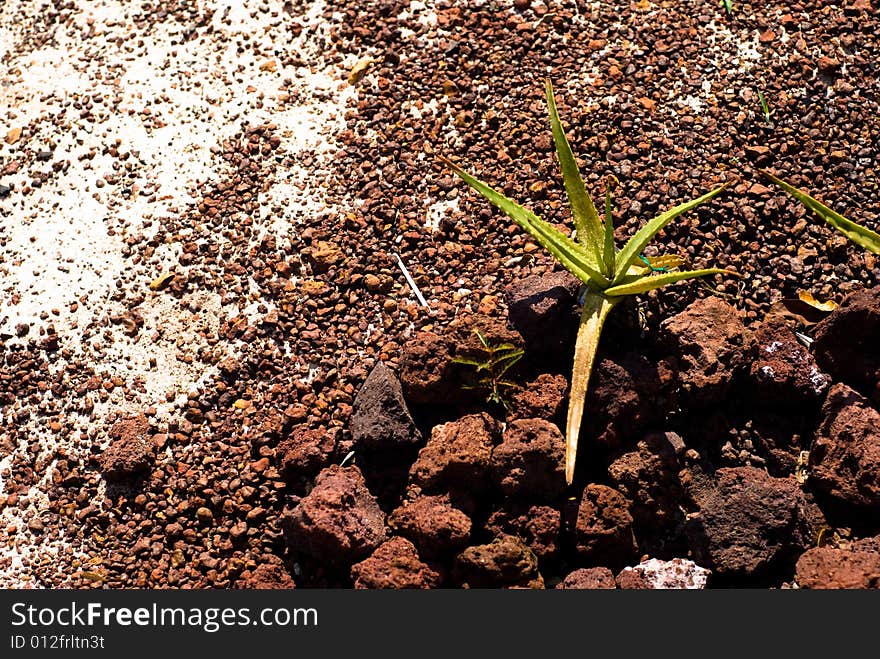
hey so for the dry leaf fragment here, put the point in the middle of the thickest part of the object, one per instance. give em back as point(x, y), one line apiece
point(269, 65)
point(805, 308)
point(359, 70)
point(161, 281)
point(807, 296)
point(13, 135)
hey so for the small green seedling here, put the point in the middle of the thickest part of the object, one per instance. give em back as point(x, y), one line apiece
point(728, 5)
point(491, 368)
point(765, 107)
point(610, 274)
point(859, 234)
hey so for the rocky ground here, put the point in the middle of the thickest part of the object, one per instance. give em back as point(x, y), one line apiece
point(214, 373)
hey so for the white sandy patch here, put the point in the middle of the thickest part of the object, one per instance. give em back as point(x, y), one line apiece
point(438, 210)
point(64, 243)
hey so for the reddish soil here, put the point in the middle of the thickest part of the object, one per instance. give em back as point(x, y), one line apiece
point(341, 446)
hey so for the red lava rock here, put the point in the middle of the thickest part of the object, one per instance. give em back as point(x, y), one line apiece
point(131, 453)
point(529, 461)
point(537, 526)
point(543, 309)
point(394, 565)
point(268, 576)
point(380, 419)
point(603, 528)
point(654, 574)
point(466, 343)
point(623, 398)
point(457, 456)
point(845, 343)
point(503, 563)
point(783, 371)
point(304, 452)
point(436, 527)
point(845, 454)
point(856, 565)
point(427, 372)
point(339, 521)
point(710, 343)
point(588, 578)
point(750, 522)
point(648, 477)
point(542, 398)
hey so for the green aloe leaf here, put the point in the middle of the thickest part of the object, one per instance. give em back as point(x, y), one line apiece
point(575, 259)
point(586, 218)
point(609, 252)
point(859, 234)
point(634, 246)
point(645, 284)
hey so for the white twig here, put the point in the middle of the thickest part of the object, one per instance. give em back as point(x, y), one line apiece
point(409, 280)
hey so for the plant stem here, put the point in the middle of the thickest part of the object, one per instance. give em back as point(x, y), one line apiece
point(593, 315)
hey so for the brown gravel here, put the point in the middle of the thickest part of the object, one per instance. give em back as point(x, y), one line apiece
point(662, 95)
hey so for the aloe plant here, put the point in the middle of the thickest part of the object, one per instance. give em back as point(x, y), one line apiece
point(859, 234)
point(609, 274)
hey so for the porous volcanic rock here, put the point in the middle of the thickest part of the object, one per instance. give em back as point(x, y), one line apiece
point(856, 565)
point(846, 345)
point(542, 398)
point(394, 565)
point(648, 477)
point(131, 453)
point(505, 562)
point(339, 521)
point(380, 419)
point(784, 372)
point(267, 576)
point(623, 398)
point(529, 461)
point(543, 308)
point(457, 456)
point(537, 526)
point(436, 527)
point(603, 528)
point(427, 372)
point(304, 452)
point(750, 522)
point(588, 578)
point(845, 454)
point(710, 344)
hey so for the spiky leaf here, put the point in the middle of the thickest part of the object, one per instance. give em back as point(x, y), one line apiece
point(586, 218)
point(645, 284)
point(859, 234)
point(571, 255)
point(634, 246)
point(609, 251)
